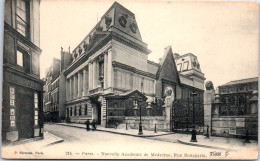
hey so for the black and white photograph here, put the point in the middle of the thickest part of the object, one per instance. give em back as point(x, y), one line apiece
point(159, 79)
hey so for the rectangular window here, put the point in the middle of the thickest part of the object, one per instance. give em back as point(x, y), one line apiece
point(23, 59)
point(86, 110)
point(185, 65)
point(22, 17)
point(19, 58)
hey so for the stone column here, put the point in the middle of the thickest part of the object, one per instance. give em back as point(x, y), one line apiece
point(253, 104)
point(71, 88)
point(94, 74)
point(67, 89)
point(84, 82)
point(209, 97)
point(74, 87)
point(79, 84)
point(109, 68)
point(105, 70)
point(90, 76)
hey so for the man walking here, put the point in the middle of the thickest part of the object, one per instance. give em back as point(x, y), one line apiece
point(87, 125)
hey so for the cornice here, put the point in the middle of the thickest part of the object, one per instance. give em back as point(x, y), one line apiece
point(132, 69)
point(10, 29)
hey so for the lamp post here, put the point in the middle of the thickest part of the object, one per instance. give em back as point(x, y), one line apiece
point(193, 133)
point(140, 123)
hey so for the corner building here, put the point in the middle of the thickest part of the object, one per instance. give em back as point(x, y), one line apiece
point(22, 86)
point(110, 76)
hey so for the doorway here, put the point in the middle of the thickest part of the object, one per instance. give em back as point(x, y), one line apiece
point(98, 113)
point(25, 114)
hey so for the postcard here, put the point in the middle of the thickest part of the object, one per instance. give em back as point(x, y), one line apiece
point(130, 79)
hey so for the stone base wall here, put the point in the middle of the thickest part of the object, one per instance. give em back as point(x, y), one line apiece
point(234, 127)
point(148, 123)
point(80, 119)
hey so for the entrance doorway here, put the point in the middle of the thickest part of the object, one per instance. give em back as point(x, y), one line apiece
point(25, 114)
point(98, 113)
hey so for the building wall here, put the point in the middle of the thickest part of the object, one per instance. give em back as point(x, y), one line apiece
point(233, 110)
point(21, 76)
point(129, 56)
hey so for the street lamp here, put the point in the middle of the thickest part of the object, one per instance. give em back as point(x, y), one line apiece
point(193, 133)
point(140, 123)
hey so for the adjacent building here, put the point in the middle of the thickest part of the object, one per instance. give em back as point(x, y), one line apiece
point(108, 78)
point(235, 109)
point(22, 86)
point(51, 92)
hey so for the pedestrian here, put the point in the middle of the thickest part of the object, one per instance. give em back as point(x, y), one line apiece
point(87, 125)
point(94, 125)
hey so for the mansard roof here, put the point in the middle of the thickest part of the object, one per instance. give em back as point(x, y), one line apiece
point(119, 20)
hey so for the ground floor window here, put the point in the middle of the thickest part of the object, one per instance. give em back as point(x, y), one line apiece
point(86, 110)
point(80, 111)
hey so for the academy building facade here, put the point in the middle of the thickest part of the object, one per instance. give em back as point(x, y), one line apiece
point(110, 77)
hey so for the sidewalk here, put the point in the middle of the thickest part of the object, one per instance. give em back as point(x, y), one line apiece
point(121, 131)
point(49, 139)
point(221, 143)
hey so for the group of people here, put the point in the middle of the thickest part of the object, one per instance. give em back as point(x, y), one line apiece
point(93, 124)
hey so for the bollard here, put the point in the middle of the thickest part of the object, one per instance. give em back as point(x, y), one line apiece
point(155, 128)
point(207, 135)
point(247, 137)
point(126, 126)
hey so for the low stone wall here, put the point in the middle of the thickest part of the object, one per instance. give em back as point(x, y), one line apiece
point(148, 123)
point(80, 119)
point(234, 126)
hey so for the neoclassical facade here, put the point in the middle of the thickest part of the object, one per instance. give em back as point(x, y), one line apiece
point(110, 76)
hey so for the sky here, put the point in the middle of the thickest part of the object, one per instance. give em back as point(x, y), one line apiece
point(223, 35)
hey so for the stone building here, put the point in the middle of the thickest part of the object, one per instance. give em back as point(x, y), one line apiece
point(110, 77)
point(51, 92)
point(234, 108)
point(22, 86)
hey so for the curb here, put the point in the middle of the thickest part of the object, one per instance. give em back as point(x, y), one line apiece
point(60, 140)
point(55, 142)
point(120, 132)
point(204, 146)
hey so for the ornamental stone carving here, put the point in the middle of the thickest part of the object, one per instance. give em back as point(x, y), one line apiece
point(99, 28)
point(108, 21)
point(209, 85)
point(80, 50)
point(133, 27)
point(85, 46)
point(75, 55)
point(123, 20)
